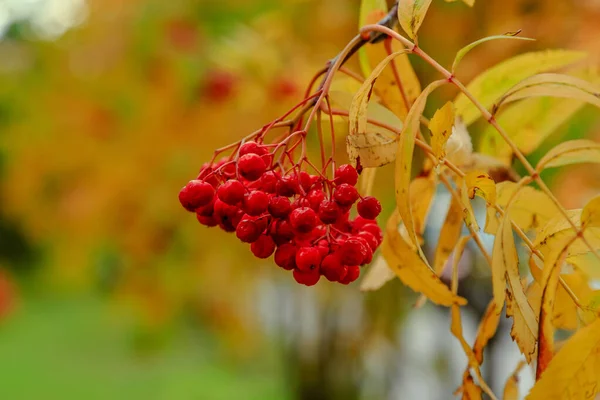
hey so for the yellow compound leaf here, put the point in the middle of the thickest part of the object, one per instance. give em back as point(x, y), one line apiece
point(590, 216)
point(440, 126)
point(552, 85)
point(404, 158)
point(511, 388)
point(530, 208)
point(571, 152)
point(491, 84)
point(411, 14)
point(574, 373)
point(548, 284)
point(422, 191)
point(481, 184)
point(412, 270)
point(449, 235)
point(487, 330)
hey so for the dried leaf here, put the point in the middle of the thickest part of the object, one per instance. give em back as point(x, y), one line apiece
point(411, 14)
point(491, 84)
point(549, 284)
point(570, 152)
point(449, 235)
point(487, 330)
point(530, 208)
point(440, 126)
point(468, 213)
point(378, 274)
point(574, 373)
point(412, 270)
point(590, 216)
point(481, 184)
point(553, 85)
point(511, 388)
point(470, 390)
point(373, 149)
point(404, 157)
point(462, 52)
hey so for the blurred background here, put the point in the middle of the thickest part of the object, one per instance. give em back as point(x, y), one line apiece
point(110, 290)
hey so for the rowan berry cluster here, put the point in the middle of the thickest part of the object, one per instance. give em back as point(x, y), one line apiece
point(302, 219)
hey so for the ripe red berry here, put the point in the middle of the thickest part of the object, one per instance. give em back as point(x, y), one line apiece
point(300, 202)
point(303, 219)
point(346, 174)
point(207, 220)
point(196, 194)
point(323, 247)
point(368, 253)
point(353, 251)
point(281, 231)
point(255, 203)
point(374, 230)
point(248, 231)
point(231, 192)
point(251, 166)
point(370, 239)
point(308, 258)
point(207, 210)
point(306, 181)
point(351, 275)
point(329, 212)
point(253, 148)
point(369, 207)
point(288, 186)
point(268, 182)
point(314, 198)
point(263, 247)
point(285, 256)
point(343, 223)
point(308, 278)
point(345, 194)
point(332, 268)
point(279, 206)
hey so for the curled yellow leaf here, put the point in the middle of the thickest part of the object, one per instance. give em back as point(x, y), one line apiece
point(440, 126)
point(570, 152)
point(481, 184)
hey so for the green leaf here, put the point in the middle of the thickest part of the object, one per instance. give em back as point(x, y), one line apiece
point(494, 82)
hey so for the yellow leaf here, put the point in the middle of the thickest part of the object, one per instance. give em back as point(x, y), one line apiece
point(422, 190)
point(462, 52)
point(573, 373)
point(378, 274)
point(571, 152)
point(367, 181)
point(529, 209)
point(440, 126)
point(553, 85)
point(491, 84)
point(549, 283)
point(592, 302)
point(470, 3)
point(371, 11)
point(470, 390)
point(511, 388)
point(411, 269)
point(449, 235)
point(371, 149)
point(590, 216)
point(481, 184)
point(468, 213)
point(404, 156)
point(502, 255)
point(411, 14)
point(487, 330)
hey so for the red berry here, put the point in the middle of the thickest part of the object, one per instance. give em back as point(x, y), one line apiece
point(300, 202)
point(231, 192)
point(248, 231)
point(288, 186)
point(329, 212)
point(281, 231)
point(207, 220)
point(332, 268)
point(351, 275)
point(369, 207)
point(279, 206)
point(196, 194)
point(343, 224)
point(285, 256)
point(268, 182)
point(306, 180)
point(255, 203)
point(308, 258)
point(253, 148)
point(226, 168)
point(370, 239)
point(346, 174)
point(368, 254)
point(303, 219)
point(345, 194)
point(207, 210)
point(251, 166)
point(263, 247)
point(308, 278)
point(315, 197)
point(374, 230)
point(353, 251)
